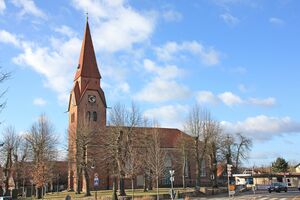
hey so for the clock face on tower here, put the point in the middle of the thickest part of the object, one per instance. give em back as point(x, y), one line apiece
point(92, 98)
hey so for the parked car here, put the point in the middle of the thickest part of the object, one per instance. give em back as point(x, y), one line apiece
point(277, 187)
point(6, 198)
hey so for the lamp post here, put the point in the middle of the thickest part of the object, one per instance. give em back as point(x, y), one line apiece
point(96, 179)
point(172, 181)
point(57, 187)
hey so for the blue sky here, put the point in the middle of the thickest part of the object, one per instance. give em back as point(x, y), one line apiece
point(238, 58)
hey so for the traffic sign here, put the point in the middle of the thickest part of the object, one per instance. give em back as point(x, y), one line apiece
point(172, 178)
point(96, 181)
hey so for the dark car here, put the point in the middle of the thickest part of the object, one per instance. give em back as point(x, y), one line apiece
point(6, 198)
point(277, 187)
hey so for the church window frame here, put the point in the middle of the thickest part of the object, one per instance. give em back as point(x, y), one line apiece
point(95, 116)
point(88, 115)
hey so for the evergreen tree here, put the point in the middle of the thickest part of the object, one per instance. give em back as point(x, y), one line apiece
point(280, 165)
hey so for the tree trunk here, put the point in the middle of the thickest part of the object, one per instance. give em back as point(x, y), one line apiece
point(150, 186)
point(78, 182)
point(122, 186)
point(87, 182)
point(236, 170)
point(183, 171)
point(114, 194)
point(157, 188)
point(198, 165)
point(132, 187)
point(145, 182)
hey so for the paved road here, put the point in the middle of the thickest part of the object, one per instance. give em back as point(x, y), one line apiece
point(261, 195)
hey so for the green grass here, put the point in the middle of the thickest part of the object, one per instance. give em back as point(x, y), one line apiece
point(108, 193)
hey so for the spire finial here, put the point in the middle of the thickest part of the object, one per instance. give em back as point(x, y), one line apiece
point(87, 16)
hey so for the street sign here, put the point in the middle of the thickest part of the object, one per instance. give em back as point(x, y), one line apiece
point(96, 181)
point(172, 178)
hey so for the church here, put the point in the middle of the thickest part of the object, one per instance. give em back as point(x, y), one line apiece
point(88, 103)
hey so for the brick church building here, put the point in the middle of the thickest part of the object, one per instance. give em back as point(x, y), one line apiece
point(88, 102)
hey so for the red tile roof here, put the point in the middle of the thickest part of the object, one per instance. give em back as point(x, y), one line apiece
point(168, 136)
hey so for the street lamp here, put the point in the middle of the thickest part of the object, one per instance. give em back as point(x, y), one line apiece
point(172, 181)
point(57, 181)
point(96, 179)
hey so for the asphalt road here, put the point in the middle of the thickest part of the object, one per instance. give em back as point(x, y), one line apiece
point(260, 195)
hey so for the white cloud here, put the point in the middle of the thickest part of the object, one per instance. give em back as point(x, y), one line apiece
point(118, 26)
point(39, 101)
point(65, 30)
point(230, 99)
point(229, 19)
point(159, 90)
point(206, 97)
point(172, 50)
point(29, 7)
point(263, 127)
point(163, 86)
point(242, 88)
point(172, 16)
point(167, 72)
point(9, 38)
point(276, 21)
point(169, 115)
point(56, 64)
point(2, 6)
point(124, 87)
point(263, 102)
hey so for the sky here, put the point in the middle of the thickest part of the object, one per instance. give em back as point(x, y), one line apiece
point(237, 58)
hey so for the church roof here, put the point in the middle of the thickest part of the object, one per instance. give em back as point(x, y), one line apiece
point(87, 66)
point(169, 137)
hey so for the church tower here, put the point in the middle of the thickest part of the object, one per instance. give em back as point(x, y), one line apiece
point(87, 102)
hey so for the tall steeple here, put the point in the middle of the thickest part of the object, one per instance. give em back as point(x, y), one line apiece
point(87, 66)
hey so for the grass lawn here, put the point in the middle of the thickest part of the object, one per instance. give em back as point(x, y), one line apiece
point(108, 193)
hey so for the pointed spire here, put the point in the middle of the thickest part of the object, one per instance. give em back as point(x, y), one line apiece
point(87, 66)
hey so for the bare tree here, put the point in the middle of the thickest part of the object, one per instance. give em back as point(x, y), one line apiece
point(235, 149)
point(11, 144)
point(3, 77)
point(184, 145)
point(42, 150)
point(196, 125)
point(242, 148)
point(121, 138)
point(155, 157)
point(85, 141)
point(227, 148)
point(133, 164)
point(213, 151)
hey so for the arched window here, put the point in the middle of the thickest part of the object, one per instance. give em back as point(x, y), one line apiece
point(88, 115)
point(94, 116)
